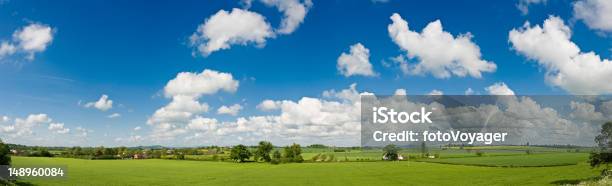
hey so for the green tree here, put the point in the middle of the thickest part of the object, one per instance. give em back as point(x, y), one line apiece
point(293, 153)
point(76, 151)
point(5, 154)
point(263, 151)
point(122, 151)
point(99, 151)
point(240, 153)
point(180, 156)
point(604, 141)
point(391, 152)
point(276, 157)
point(109, 151)
point(45, 153)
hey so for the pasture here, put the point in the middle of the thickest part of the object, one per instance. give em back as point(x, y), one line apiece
point(182, 172)
point(532, 160)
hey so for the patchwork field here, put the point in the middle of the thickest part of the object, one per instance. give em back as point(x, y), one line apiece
point(177, 172)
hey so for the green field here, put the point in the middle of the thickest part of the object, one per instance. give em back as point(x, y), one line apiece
point(177, 172)
point(532, 160)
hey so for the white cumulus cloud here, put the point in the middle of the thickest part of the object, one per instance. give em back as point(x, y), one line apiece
point(294, 13)
point(469, 91)
point(196, 84)
point(597, 14)
point(565, 64)
point(34, 37)
point(28, 40)
point(357, 62)
point(185, 90)
point(7, 49)
point(229, 110)
point(203, 124)
point(223, 29)
point(435, 93)
point(499, 88)
point(103, 104)
point(439, 52)
point(23, 127)
point(400, 92)
point(268, 105)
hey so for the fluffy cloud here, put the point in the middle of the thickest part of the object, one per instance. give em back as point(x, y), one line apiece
point(523, 5)
point(597, 14)
point(196, 84)
point(435, 93)
point(357, 62)
point(224, 29)
point(312, 117)
point(566, 65)
point(58, 128)
point(28, 40)
point(268, 105)
point(533, 120)
point(102, 104)
point(137, 128)
point(469, 91)
point(307, 120)
point(499, 88)
point(336, 116)
point(230, 110)
point(203, 124)
point(185, 90)
point(23, 127)
point(522, 117)
point(40, 129)
point(439, 52)
point(7, 49)
point(401, 62)
point(243, 27)
point(294, 13)
point(34, 38)
point(400, 92)
point(586, 112)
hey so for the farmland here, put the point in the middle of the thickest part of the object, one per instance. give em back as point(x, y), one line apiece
point(500, 165)
point(534, 160)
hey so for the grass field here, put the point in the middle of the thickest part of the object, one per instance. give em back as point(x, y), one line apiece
point(532, 160)
point(177, 172)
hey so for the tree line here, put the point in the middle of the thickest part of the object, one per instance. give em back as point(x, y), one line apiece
point(291, 153)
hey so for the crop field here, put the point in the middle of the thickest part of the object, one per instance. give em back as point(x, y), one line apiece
point(532, 160)
point(181, 172)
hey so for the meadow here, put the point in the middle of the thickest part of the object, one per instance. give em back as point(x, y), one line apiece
point(454, 168)
point(532, 160)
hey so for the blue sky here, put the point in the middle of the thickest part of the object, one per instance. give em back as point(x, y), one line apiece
point(130, 50)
